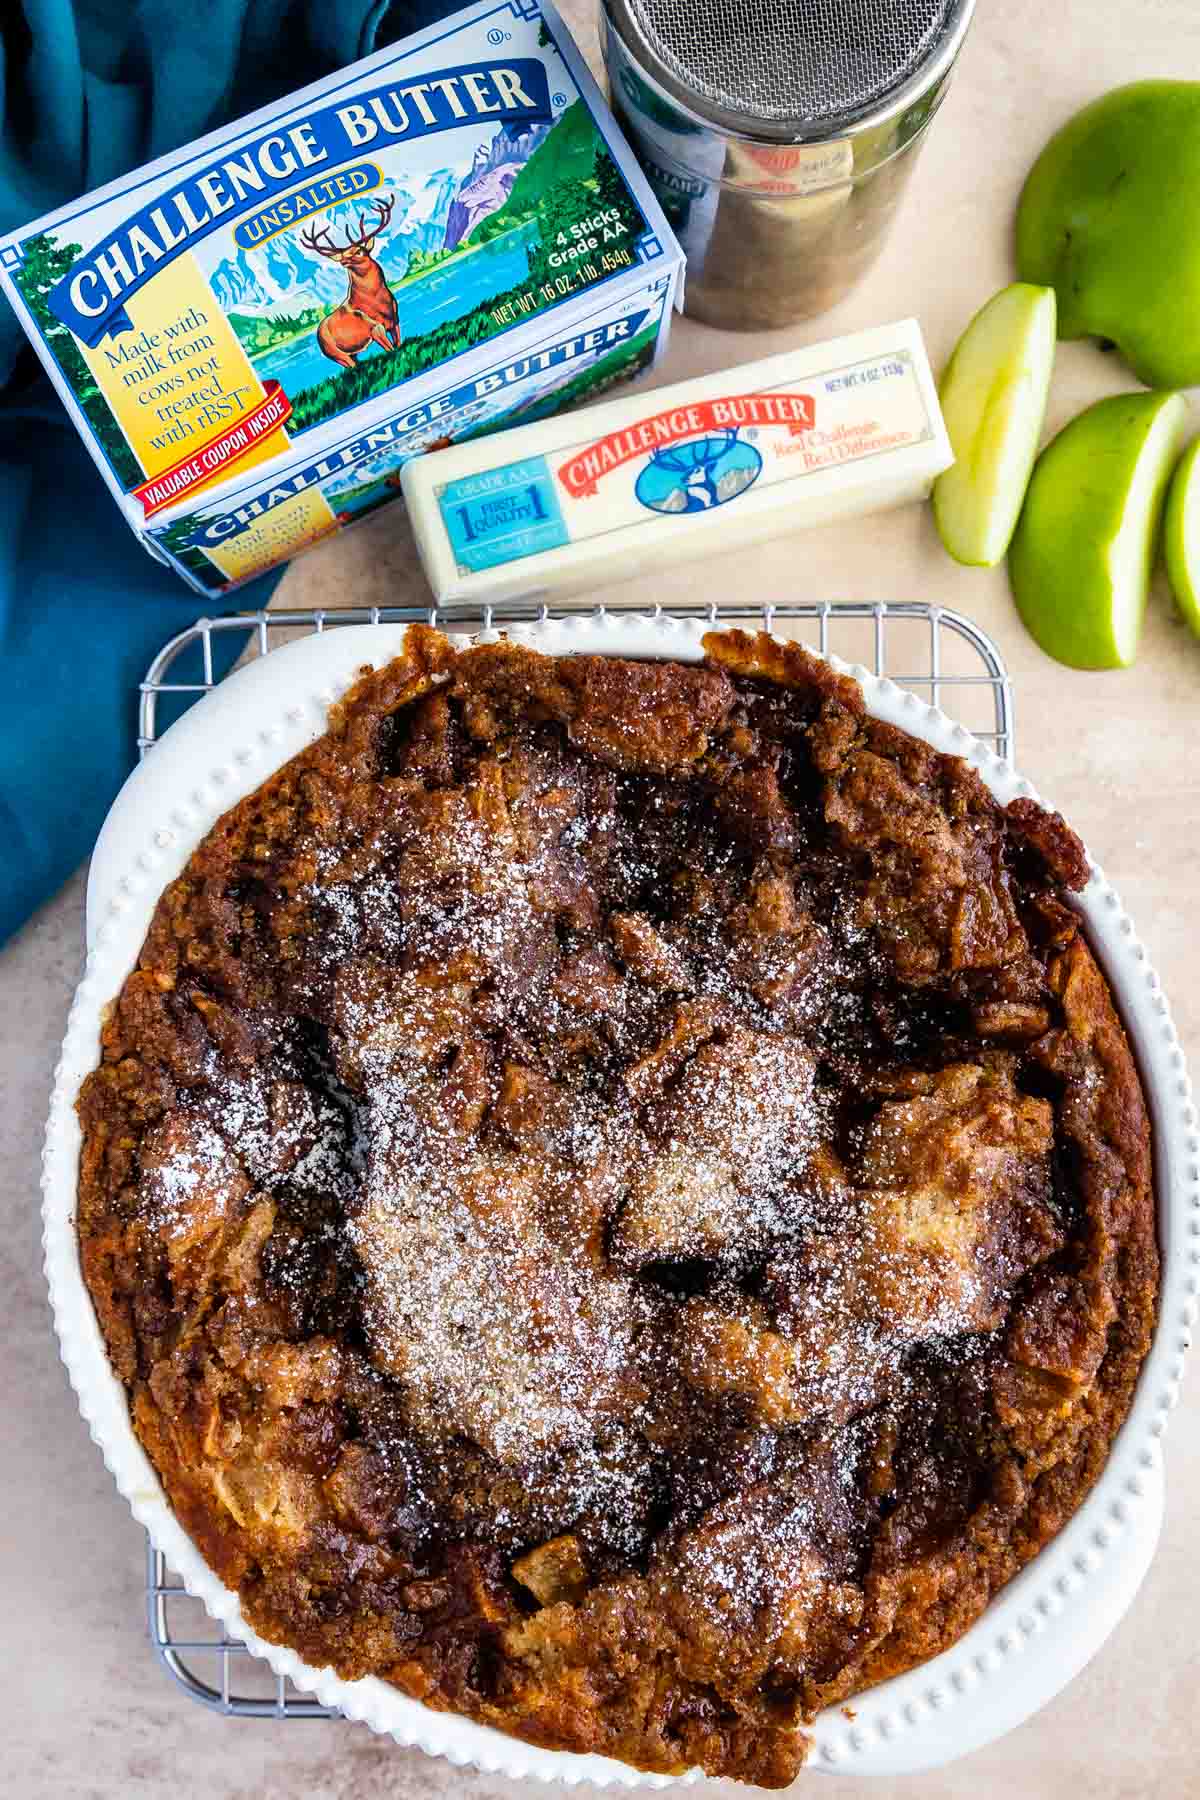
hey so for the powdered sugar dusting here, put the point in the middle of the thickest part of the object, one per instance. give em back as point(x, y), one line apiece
point(574, 1099)
point(187, 1170)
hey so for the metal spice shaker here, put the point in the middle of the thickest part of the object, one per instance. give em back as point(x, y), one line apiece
point(778, 136)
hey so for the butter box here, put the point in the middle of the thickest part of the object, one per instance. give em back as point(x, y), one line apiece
point(254, 334)
point(649, 479)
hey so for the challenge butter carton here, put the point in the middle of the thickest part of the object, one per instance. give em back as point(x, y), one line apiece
point(255, 334)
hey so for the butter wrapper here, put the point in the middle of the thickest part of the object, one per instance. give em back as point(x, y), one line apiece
point(650, 479)
point(254, 334)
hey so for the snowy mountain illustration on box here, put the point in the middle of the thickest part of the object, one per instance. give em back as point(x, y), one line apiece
point(436, 212)
point(447, 240)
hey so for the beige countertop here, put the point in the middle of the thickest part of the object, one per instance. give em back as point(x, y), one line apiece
point(84, 1709)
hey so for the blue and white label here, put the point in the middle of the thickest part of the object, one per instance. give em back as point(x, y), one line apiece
point(501, 515)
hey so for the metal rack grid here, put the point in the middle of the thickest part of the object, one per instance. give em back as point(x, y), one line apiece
point(938, 653)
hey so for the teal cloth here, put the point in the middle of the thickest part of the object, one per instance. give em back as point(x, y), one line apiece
point(91, 88)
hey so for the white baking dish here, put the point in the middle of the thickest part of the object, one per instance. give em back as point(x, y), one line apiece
point(1039, 1631)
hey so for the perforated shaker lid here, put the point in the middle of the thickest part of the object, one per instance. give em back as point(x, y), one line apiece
point(793, 70)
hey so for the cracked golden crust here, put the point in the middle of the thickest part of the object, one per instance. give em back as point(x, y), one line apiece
point(1007, 1175)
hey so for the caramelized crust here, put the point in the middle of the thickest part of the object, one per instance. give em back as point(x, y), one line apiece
point(620, 1198)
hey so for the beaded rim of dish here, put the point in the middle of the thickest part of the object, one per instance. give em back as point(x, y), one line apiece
point(978, 1655)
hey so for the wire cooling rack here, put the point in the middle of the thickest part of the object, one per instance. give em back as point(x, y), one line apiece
point(941, 655)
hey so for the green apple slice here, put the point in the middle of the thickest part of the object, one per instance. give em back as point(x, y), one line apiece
point(993, 394)
point(1181, 536)
point(1083, 551)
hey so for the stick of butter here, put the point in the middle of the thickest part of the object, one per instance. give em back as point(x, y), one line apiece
point(795, 440)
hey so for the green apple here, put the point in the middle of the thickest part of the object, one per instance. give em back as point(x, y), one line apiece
point(1181, 536)
point(1083, 551)
point(1110, 218)
point(993, 394)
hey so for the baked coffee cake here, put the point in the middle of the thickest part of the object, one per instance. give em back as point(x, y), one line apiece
point(619, 1196)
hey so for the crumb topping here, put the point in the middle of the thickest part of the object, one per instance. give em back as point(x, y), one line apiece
point(619, 1196)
